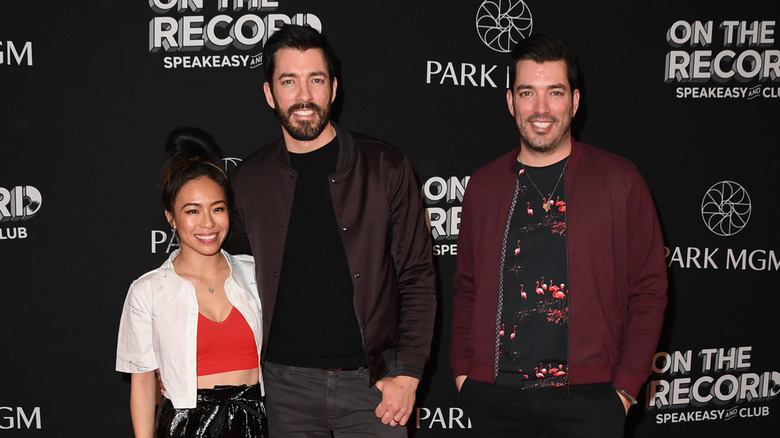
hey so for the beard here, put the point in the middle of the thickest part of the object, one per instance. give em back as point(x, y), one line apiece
point(541, 145)
point(307, 130)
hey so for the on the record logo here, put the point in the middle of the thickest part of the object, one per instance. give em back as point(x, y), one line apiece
point(19, 203)
point(716, 60)
point(443, 198)
point(692, 386)
point(12, 54)
point(184, 26)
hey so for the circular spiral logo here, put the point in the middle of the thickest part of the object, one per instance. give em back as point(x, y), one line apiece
point(726, 208)
point(502, 23)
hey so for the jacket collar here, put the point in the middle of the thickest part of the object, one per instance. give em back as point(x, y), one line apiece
point(172, 281)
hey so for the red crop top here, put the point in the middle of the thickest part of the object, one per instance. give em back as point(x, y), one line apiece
point(225, 346)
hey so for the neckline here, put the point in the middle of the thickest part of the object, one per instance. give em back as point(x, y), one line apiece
point(519, 164)
point(232, 309)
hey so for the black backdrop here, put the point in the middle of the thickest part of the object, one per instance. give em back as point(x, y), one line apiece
point(688, 90)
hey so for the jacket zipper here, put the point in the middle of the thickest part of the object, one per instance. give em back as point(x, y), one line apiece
point(500, 298)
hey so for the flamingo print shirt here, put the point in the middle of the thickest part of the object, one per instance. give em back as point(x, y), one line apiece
point(533, 319)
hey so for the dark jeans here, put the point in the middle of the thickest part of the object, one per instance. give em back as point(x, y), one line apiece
point(313, 403)
point(580, 411)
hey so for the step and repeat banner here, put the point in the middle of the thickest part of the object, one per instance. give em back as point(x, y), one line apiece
point(688, 90)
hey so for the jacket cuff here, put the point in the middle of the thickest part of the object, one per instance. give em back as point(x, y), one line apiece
point(409, 364)
point(627, 382)
point(459, 367)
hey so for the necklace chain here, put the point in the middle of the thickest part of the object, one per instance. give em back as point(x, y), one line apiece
point(209, 285)
point(546, 202)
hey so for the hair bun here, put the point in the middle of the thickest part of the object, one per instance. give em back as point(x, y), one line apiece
point(192, 154)
point(193, 143)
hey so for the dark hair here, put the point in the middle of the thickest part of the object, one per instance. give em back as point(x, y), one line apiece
point(542, 48)
point(192, 154)
point(294, 36)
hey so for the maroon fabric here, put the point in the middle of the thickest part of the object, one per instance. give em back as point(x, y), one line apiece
point(617, 271)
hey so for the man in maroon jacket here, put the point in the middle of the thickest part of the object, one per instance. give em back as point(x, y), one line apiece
point(561, 278)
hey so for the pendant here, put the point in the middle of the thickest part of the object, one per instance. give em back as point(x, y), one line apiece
point(546, 204)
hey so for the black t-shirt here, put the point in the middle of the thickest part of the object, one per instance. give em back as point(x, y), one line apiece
point(533, 325)
point(314, 322)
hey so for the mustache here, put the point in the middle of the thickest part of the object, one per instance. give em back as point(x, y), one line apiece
point(541, 118)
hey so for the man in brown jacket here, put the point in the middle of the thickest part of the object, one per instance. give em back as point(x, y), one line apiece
point(344, 262)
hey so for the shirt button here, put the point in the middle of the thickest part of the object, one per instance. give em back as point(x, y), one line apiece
point(343, 228)
point(334, 179)
point(357, 275)
point(276, 274)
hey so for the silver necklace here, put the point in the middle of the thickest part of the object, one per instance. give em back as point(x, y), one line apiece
point(209, 285)
point(546, 202)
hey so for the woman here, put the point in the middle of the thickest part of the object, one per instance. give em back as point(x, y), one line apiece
point(197, 318)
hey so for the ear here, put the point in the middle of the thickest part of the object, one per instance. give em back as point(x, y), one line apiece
point(269, 95)
point(335, 83)
point(575, 101)
point(170, 219)
point(510, 102)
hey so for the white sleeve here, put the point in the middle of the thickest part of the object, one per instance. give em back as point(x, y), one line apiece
point(135, 343)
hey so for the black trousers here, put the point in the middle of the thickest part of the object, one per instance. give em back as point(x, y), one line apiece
point(222, 412)
point(580, 411)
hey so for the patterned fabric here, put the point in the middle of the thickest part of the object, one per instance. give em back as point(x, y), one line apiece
point(533, 312)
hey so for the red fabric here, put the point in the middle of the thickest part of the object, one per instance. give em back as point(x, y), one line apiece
point(225, 346)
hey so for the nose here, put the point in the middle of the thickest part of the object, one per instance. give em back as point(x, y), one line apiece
point(206, 220)
point(304, 93)
point(541, 106)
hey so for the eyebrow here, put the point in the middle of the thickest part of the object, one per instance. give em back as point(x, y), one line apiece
point(550, 87)
point(198, 204)
point(311, 74)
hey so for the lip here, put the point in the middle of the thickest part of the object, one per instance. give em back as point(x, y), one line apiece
point(304, 111)
point(541, 125)
point(207, 238)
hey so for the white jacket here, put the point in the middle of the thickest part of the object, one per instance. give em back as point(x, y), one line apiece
point(159, 325)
